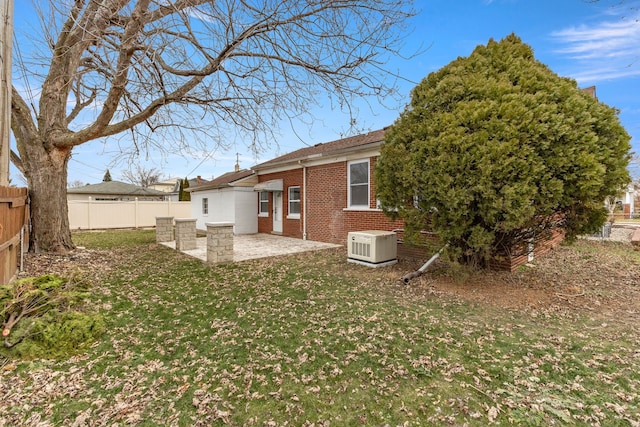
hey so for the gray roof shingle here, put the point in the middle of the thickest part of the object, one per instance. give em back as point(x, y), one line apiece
point(224, 180)
point(327, 148)
point(114, 188)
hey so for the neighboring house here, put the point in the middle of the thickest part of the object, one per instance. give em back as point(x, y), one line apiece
point(172, 186)
point(624, 204)
point(113, 190)
point(322, 192)
point(228, 198)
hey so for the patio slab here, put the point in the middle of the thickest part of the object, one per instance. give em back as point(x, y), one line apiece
point(253, 246)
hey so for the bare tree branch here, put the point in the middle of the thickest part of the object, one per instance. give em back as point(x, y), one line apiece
point(304, 46)
point(142, 176)
point(176, 75)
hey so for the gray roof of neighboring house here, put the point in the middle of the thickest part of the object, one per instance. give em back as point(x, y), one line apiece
point(225, 180)
point(327, 148)
point(115, 188)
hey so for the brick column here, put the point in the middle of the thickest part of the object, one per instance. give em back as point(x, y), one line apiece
point(164, 229)
point(185, 234)
point(219, 242)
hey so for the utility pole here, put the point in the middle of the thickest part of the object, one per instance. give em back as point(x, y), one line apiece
point(6, 36)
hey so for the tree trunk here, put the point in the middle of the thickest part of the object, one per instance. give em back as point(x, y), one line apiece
point(47, 176)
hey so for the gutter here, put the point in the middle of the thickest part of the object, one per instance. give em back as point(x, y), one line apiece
point(316, 156)
point(304, 199)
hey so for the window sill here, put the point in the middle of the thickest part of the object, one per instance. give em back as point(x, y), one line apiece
point(263, 215)
point(293, 216)
point(361, 209)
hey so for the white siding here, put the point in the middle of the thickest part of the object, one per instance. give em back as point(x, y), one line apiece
point(233, 204)
point(246, 201)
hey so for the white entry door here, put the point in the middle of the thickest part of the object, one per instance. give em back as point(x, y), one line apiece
point(277, 211)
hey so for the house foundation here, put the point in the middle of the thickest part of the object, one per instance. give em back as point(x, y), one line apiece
point(219, 242)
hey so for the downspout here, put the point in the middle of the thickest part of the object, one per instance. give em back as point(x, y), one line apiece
point(422, 269)
point(304, 200)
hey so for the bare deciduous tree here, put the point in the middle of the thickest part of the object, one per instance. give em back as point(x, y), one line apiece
point(142, 176)
point(634, 165)
point(167, 71)
point(76, 184)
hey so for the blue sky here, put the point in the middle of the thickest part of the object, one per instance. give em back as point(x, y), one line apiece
point(596, 43)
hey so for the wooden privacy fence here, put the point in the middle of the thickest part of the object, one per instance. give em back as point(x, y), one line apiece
point(102, 214)
point(14, 216)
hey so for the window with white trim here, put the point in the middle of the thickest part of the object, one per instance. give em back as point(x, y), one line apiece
point(294, 202)
point(263, 203)
point(205, 206)
point(358, 178)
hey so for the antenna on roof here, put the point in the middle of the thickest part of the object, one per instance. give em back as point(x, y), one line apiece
point(237, 162)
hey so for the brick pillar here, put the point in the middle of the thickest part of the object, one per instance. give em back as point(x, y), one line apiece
point(219, 242)
point(164, 229)
point(185, 234)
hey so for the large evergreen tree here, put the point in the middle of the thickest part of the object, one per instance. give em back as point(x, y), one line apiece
point(495, 149)
point(184, 195)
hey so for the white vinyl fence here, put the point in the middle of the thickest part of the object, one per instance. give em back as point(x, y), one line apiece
point(92, 214)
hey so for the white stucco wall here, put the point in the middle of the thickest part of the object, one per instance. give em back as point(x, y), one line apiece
point(246, 201)
point(233, 204)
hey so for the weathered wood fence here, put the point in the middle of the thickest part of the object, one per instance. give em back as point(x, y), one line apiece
point(14, 215)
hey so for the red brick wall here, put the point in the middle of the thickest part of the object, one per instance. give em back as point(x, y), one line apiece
point(328, 221)
point(326, 198)
point(265, 223)
point(542, 246)
point(290, 227)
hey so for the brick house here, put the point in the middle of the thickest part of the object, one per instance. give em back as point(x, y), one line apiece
point(323, 192)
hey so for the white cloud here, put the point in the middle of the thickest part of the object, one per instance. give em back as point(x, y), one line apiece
point(604, 50)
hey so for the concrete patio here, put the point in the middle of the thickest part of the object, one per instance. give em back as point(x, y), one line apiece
point(253, 246)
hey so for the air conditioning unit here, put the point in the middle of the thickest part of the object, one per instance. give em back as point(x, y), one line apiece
point(372, 248)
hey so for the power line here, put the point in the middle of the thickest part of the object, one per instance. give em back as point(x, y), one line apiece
point(202, 161)
point(23, 69)
point(87, 165)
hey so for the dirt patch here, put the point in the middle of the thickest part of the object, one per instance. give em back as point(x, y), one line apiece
point(599, 278)
point(88, 261)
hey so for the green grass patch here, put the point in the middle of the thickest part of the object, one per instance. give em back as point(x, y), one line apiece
point(313, 340)
point(619, 249)
point(114, 239)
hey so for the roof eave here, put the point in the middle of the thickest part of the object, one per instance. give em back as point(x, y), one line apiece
point(298, 160)
point(204, 187)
